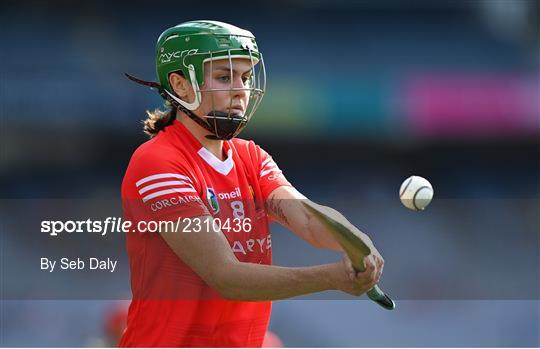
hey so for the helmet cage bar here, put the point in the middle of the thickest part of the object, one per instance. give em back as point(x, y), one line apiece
point(260, 76)
point(231, 85)
point(211, 94)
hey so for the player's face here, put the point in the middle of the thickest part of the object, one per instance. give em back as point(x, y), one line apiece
point(225, 89)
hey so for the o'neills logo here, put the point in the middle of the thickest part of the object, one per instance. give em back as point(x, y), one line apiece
point(212, 200)
point(231, 195)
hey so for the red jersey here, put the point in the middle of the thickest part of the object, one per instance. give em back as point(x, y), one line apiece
point(173, 176)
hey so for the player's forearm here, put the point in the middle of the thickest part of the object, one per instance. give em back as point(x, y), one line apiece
point(292, 214)
point(233, 279)
point(257, 282)
point(319, 233)
point(319, 230)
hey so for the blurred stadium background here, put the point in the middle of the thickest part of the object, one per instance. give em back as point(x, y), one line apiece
point(361, 94)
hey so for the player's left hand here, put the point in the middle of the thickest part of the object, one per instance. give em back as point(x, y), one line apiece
point(379, 261)
point(364, 280)
point(374, 260)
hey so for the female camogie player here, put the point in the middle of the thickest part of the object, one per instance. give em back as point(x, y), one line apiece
point(207, 280)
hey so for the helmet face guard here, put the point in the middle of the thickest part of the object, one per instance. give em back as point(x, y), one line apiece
point(187, 47)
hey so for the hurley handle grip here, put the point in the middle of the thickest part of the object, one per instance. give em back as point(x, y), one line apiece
point(379, 297)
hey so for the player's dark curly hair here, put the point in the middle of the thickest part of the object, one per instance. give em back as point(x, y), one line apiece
point(158, 119)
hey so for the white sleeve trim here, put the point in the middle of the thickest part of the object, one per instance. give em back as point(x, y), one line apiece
point(161, 175)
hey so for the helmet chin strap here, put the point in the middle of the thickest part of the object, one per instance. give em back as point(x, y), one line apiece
point(226, 125)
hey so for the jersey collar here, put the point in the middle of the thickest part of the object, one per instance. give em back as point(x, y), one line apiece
point(224, 167)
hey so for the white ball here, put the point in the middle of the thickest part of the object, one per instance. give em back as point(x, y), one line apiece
point(416, 193)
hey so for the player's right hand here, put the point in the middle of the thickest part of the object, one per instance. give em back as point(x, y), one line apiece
point(357, 283)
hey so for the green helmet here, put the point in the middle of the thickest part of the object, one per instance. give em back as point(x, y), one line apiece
point(193, 43)
point(188, 46)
